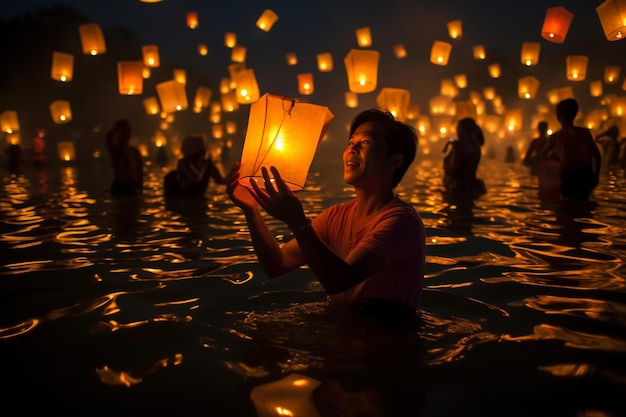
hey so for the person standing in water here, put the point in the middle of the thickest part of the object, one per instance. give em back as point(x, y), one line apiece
point(126, 161)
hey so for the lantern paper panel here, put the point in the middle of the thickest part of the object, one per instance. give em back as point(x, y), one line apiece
point(231, 127)
point(513, 120)
point(440, 105)
point(364, 37)
point(267, 20)
point(460, 80)
point(576, 67)
point(130, 77)
point(66, 151)
point(530, 53)
point(362, 70)
point(282, 133)
point(325, 62)
point(556, 24)
point(172, 96)
point(440, 53)
point(305, 84)
point(62, 66)
point(180, 75)
point(61, 111)
point(494, 70)
point(92, 39)
point(464, 109)
point(395, 101)
point(229, 101)
point(246, 86)
point(203, 49)
point(150, 55)
point(612, 15)
point(455, 29)
point(9, 122)
point(448, 88)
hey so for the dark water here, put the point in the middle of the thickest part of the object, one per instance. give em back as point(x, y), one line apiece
point(120, 307)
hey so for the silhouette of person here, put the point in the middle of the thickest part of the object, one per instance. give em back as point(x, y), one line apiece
point(14, 155)
point(126, 161)
point(610, 141)
point(537, 149)
point(462, 159)
point(38, 148)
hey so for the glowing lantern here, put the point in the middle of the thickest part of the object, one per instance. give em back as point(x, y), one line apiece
point(305, 83)
point(145, 72)
point(423, 125)
point(247, 88)
point(172, 96)
point(325, 62)
point(576, 67)
point(289, 396)
point(282, 133)
point(192, 20)
point(130, 77)
point(494, 70)
point(352, 99)
point(513, 120)
point(92, 39)
point(230, 39)
point(362, 70)
point(150, 55)
point(460, 80)
point(225, 85)
point(442, 125)
point(9, 122)
point(66, 151)
point(527, 87)
point(203, 49)
point(399, 51)
point(448, 88)
point(229, 102)
point(218, 131)
point(395, 101)
point(413, 112)
point(60, 111)
point(180, 76)
point(267, 20)
point(202, 98)
point(238, 53)
point(465, 109)
point(556, 24)
point(151, 105)
point(558, 94)
point(440, 52)
point(530, 53)
point(611, 74)
point(618, 106)
point(292, 59)
point(62, 66)
point(479, 52)
point(364, 37)
point(440, 105)
point(231, 127)
point(612, 14)
point(595, 88)
point(455, 29)
point(215, 117)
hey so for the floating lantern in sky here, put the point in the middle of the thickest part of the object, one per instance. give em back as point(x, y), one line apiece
point(283, 133)
point(513, 119)
point(247, 87)
point(440, 52)
point(92, 39)
point(180, 75)
point(267, 20)
point(364, 37)
point(238, 53)
point(230, 39)
point(151, 105)
point(460, 80)
point(413, 112)
point(362, 70)
point(617, 107)
point(202, 98)
point(455, 29)
point(172, 96)
point(60, 111)
point(231, 127)
point(494, 70)
point(556, 24)
point(9, 122)
point(66, 151)
point(217, 130)
point(527, 87)
point(62, 66)
point(352, 100)
point(530, 53)
point(576, 67)
point(145, 73)
point(612, 14)
point(225, 85)
point(395, 101)
point(305, 83)
point(399, 51)
point(203, 49)
point(292, 58)
point(448, 88)
point(611, 74)
point(150, 55)
point(325, 62)
point(595, 88)
point(130, 77)
point(192, 20)
point(479, 52)
point(440, 105)
point(556, 95)
point(229, 101)
point(489, 93)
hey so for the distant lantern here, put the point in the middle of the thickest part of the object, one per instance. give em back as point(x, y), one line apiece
point(229, 102)
point(267, 20)
point(292, 58)
point(617, 107)
point(150, 56)
point(247, 87)
point(559, 94)
point(513, 120)
point(494, 70)
point(216, 117)
point(440, 52)
point(530, 53)
point(305, 83)
point(130, 77)
point(230, 39)
point(576, 67)
point(62, 66)
point(611, 74)
point(151, 105)
point(440, 105)
point(172, 96)
point(612, 14)
point(325, 62)
point(448, 88)
point(203, 49)
point(238, 54)
point(145, 73)
point(556, 24)
point(489, 93)
point(352, 100)
point(92, 39)
point(595, 88)
point(202, 98)
point(9, 122)
point(192, 20)
point(231, 127)
point(225, 85)
point(66, 151)
point(455, 29)
point(60, 111)
point(413, 112)
point(479, 52)
point(180, 75)
point(282, 133)
point(217, 130)
point(399, 51)
point(395, 101)
point(460, 80)
point(233, 69)
point(527, 87)
point(423, 124)
point(442, 125)
point(364, 37)
point(362, 70)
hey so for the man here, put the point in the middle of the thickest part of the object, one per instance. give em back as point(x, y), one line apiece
point(367, 252)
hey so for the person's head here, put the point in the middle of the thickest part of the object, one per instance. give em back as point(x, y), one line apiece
point(123, 130)
point(193, 145)
point(468, 129)
point(566, 110)
point(542, 127)
point(397, 140)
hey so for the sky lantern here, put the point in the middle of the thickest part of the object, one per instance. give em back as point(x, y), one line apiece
point(291, 58)
point(364, 37)
point(576, 67)
point(422, 124)
point(145, 73)
point(556, 95)
point(595, 88)
point(325, 62)
point(247, 87)
point(413, 112)
point(440, 104)
point(530, 53)
point(617, 107)
point(229, 101)
point(217, 130)
point(238, 53)
point(455, 29)
point(460, 80)
point(202, 97)
point(150, 55)
point(203, 49)
point(60, 111)
point(172, 96)
point(399, 51)
point(130, 77)
point(612, 14)
point(92, 39)
point(395, 101)
point(305, 83)
point(180, 75)
point(289, 396)
point(478, 52)
point(192, 20)
point(513, 120)
point(283, 133)
point(231, 127)
point(9, 122)
point(230, 39)
point(440, 53)
point(611, 74)
point(352, 100)
point(489, 93)
point(267, 20)
point(448, 88)
point(494, 70)
point(62, 66)
point(442, 124)
point(233, 69)
point(151, 105)
point(66, 151)
point(527, 87)
point(362, 70)
point(556, 24)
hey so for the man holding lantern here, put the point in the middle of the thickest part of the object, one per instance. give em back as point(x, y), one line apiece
point(368, 252)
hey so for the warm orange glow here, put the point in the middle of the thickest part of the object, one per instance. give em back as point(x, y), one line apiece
point(203, 49)
point(611, 74)
point(172, 95)
point(455, 29)
point(399, 51)
point(66, 151)
point(362, 70)
point(576, 67)
point(460, 80)
point(238, 53)
point(247, 87)
point(527, 87)
point(192, 20)
point(230, 39)
point(394, 100)
point(305, 83)
point(202, 98)
point(180, 76)
point(151, 105)
point(612, 14)
point(494, 71)
point(130, 77)
point(267, 20)
point(9, 122)
point(479, 52)
point(352, 99)
point(595, 88)
point(364, 37)
point(292, 58)
point(62, 66)
point(60, 111)
point(92, 39)
point(530, 53)
point(325, 62)
point(556, 24)
point(150, 56)
point(440, 52)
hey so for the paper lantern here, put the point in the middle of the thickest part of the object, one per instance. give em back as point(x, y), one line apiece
point(399, 51)
point(130, 77)
point(556, 24)
point(202, 98)
point(440, 105)
point(9, 122)
point(230, 39)
point(60, 111)
point(489, 93)
point(413, 112)
point(292, 59)
point(559, 94)
point(215, 117)
point(180, 75)
point(233, 70)
point(443, 125)
point(66, 151)
point(203, 49)
point(448, 88)
point(289, 396)
point(460, 80)
point(325, 62)
point(247, 88)
point(352, 99)
point(617, 107)
point(282, 133)
point(595, 88)
point(172, 96)
point(455, 29)
point(513, 120)
point(225, 85)
point(494, 70)
point(267, 20)
point(151, 105)
point(611, 74)
point(576, 67)
point(92, 39)
point(440, 52)
point(527, 87)
point(231, 127)
point(530, 53)
point(305, 84)
point(146, 72)
point(612, 14)
point(150, 55)
point(218, 131)
point(479, 52)
point(192, 20)
point(423, 125)
point(229, 101)
point(62, 66)
point(364, 37)
point(362, 70)
point(238, 53)
point(395, 101)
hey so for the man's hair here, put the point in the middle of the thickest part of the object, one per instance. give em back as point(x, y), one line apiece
point(567, 109)
point(401, 138)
